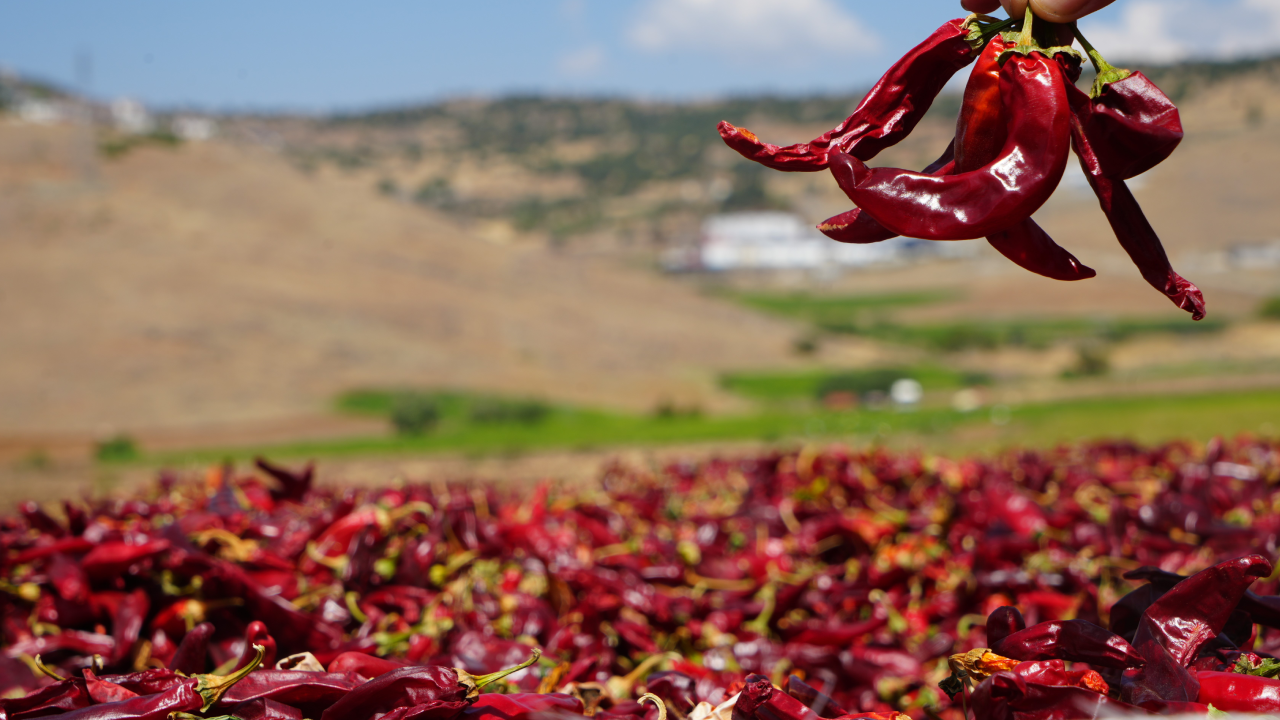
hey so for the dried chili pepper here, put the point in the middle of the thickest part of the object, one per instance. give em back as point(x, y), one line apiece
point(63, 696)
point(192, 653)
point(1074, 640)
point(888, 113)
point(194, 694)
point(1235, 692)
point(416, 687)
point(1132, 125)
point(363, 664)
point(105, 691)
point(1091, 137)
point(311, 691)
point(984, 201)
point(814, 699)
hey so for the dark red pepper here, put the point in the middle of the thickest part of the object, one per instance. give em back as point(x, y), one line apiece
point(1091, 138)
point(998, 195)
point(814, 699)
point(1237, 692)
point(191, 695)
point(1074, 640)
point(60, 697)
point(192, 654)
point(888, 113)
point(410, 687)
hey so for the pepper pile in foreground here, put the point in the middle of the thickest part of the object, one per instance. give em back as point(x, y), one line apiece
point(1021, 113)
point(819, 583)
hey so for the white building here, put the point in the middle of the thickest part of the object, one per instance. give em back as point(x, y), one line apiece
point(131, 116)
point(194, 128)
point(780, 241)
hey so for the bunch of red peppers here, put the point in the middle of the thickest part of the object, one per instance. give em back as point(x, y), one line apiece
point(1021, 113)
point(818, 583)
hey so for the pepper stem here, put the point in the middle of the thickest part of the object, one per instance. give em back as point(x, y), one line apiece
point(473, 683)
point(212, 687)
point(662, 707)
point(47, 670)
point(1107, 73)
point(1027, 39)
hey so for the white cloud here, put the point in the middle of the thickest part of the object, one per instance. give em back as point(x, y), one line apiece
point(775, 30)
point(1163, 31)
point(582, 62)
point(1144, 33)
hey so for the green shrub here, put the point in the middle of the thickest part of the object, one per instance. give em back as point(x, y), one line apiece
point(524, 412)
point(120, 448)
point(1270, 309)
point(414, 413)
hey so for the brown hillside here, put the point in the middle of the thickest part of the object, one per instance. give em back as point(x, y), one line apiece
point(215, 284)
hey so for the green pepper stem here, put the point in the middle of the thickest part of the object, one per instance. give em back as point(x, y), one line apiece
point(1027, 39)
point(482, 680)
point(1106, 72)
point(212, 687)
point(47, 670)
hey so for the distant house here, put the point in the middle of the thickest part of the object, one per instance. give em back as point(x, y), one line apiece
point(39, 111)
point(131, 116)
point(779, 241)
point(194, 127)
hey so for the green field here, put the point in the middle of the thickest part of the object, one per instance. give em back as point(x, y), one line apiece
point(871, 316)
point(1144, 419)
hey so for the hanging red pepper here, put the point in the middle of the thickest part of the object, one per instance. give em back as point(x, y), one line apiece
point(1105, 168)
point(887, 114)
point(1002, 193)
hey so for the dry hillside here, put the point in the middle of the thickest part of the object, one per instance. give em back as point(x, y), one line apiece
point(214, 285)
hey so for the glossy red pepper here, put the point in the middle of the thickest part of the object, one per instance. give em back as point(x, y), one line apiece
point(816, 700)
point(193, 651)
point(522, 706)
point(313, 692)
point(888, 113)
point(984, 201)
point(1133, 125)
point(1237, 692)
point(363, 664)
point(1091, 138)
point(105, 691)
point(191, 695)
point(1074, 640)
point(415, 687)
point(856, 227)
point(60, 697)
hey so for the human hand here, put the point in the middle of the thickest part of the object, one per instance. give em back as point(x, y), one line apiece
point(1052, 10)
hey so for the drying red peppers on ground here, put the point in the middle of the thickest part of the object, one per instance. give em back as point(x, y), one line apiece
point(823, 583)
point(1021, 112)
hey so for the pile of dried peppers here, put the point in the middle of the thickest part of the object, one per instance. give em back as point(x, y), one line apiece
point(791, 586)
point(1021, 112)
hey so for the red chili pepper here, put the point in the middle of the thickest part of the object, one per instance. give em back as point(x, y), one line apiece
point(256, 635)
point(856, 227)
point(114, 559)
point(105, 691)
point(1090, 138)
point(1196, 609)
point(363, 664)
point(293, 485)
point(62, 696)
point(1133, 125)
point(886, 114)
point(984, 201)
point(267, 710)
point(192, 654)
point(1074, 640)
point(193, 694)
point(816, 700)
point(415, 687)
point(522, 706)
point(313, 692)
point(1237, 692)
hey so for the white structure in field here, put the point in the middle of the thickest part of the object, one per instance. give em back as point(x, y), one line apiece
point(780, 241)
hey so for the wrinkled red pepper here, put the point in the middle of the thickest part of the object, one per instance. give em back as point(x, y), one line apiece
point(994, 197)
point(888, 113)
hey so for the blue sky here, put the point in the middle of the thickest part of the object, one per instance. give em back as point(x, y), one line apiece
point(321, 55)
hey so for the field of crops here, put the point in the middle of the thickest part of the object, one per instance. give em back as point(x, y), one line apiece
point(791, 586)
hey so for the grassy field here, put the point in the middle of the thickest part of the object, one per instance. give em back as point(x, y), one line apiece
point(871, 316)
point(1144, 419)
